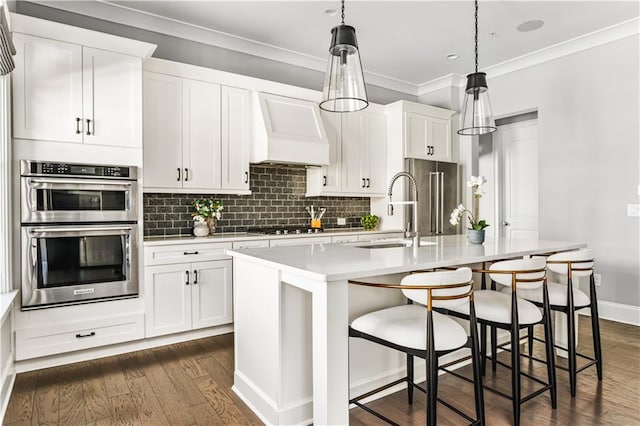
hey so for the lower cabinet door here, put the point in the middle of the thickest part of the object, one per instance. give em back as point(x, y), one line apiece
point(211, 294)
point(168, 299)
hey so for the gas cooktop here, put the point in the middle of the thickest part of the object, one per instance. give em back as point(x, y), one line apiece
point(284, 230)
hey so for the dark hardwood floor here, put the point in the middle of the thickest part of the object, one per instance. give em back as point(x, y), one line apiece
point(190, 384)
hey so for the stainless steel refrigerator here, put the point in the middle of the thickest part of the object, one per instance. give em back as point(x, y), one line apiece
point(438, 195)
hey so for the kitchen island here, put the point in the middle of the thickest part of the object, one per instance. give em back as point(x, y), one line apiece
point(292, 307)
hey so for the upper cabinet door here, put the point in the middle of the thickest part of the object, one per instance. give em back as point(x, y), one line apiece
point(112, 98)
point(162, 131)
point(376, 152)
point(235, 138)
point(427, 138)
point(353, 155)
point(47, 90)
point(332, 174)
point(201, 151)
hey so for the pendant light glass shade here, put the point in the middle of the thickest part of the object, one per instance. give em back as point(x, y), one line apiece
point(477, 117)
point(344, 89)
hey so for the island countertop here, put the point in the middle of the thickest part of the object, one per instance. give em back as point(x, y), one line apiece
point(330, 262)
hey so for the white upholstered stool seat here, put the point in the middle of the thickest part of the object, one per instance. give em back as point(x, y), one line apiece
point(405, 326)
point(495, 306)
point(557, 295)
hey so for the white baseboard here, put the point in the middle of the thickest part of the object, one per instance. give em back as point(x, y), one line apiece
point(618, 312)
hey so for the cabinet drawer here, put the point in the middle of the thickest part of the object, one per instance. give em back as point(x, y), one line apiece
point(250, 244)
point(375, 237)
point(74, 336)
point(164, 255)
point(344, 239)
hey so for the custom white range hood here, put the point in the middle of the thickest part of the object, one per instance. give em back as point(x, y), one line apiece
point(287, 130)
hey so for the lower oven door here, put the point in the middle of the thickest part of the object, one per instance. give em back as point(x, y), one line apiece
point(64, 265)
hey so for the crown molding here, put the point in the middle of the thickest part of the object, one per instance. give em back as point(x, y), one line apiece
point(565, 48)
point(122, 14)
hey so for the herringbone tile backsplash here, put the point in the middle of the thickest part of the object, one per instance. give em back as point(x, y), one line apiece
point(277, 199)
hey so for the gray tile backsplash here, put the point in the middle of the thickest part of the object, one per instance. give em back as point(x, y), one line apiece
point(277, 199)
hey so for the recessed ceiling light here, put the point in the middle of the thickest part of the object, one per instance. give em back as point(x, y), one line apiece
point(331, 12)
point(453, 56)
point(530, 25)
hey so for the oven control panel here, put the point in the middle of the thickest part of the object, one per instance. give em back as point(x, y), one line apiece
point(67, 169)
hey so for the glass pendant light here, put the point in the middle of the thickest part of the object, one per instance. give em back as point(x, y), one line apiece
point(477, 117)
point(344, 89)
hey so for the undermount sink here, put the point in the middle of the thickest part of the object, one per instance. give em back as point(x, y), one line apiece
point(381, 244)
point(384, 245)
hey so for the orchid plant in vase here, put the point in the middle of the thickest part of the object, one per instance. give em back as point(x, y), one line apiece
point(476, 225)
point(207, 212)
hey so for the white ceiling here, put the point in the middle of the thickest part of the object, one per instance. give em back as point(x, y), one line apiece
point(405, 41)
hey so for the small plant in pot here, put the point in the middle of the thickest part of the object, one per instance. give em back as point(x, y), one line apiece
point(207, 213)
point(369, 221)
point(475, 231)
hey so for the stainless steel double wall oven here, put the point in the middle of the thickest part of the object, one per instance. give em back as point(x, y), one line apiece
point(79, 233)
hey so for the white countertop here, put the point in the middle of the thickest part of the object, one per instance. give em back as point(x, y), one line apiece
point(240, 236)
point(330, 262)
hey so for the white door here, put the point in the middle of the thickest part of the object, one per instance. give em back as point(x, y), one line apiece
point(235, 138)
point(168, 299)
point(162, 147)
point(211, 294)
point(517, 145)
point(201, 150)
point(332, 174)
point(47, 90)
point(353, 147)
point(112, 98)
point(375, 152)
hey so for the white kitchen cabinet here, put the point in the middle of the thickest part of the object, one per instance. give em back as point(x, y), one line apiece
point(427, 138)
point(67, 92)
point(242, 244)
point(235, 138)
point(187, 296)
point(424, 131)
point(359, 154)
point(196, 136)
point(47, 90)
point(162, 131)
point(201, 149)
point(112, 98)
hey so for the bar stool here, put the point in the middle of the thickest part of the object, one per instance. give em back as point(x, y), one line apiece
point(567, 299)
point(512, 313)
point(417, 330)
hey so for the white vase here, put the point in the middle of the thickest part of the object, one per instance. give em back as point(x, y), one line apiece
point(201, 230)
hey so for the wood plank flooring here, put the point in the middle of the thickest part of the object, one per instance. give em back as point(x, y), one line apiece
point(190, 384)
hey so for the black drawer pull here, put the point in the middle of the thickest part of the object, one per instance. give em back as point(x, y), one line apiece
point(78, 120)
point(80, 335)
point(187, 253)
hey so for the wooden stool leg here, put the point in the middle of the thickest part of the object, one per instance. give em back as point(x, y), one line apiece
point(550, 348)
point(494, 348)
point(483, 348)
point(530, 340)
point(477, 373)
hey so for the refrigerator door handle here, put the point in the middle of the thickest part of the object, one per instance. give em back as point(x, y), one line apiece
point(431, 202)
point(441, 196)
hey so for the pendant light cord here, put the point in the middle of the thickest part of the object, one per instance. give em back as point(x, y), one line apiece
point(476, 38)
point(343, 14)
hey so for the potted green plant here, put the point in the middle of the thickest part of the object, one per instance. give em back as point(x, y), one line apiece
point(475, 231)
point(369, 221)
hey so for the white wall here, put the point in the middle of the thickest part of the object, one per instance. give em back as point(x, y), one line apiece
point(588, 107)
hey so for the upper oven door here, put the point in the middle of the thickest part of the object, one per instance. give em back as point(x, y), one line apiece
point(50, 199)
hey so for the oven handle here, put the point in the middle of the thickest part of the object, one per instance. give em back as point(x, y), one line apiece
point(43, 232)
point(39, 183)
